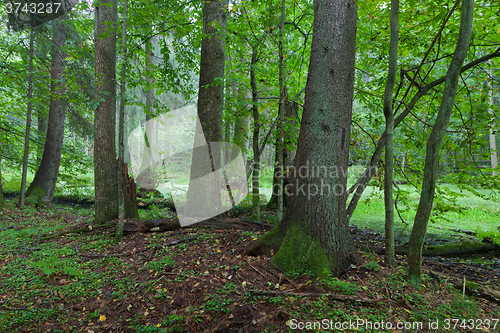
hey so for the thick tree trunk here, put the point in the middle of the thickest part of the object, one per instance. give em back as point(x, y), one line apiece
point(389, 130)
point(419, 230)
point(363, 181)
point(43, 185)
point(210, 112)
point(147, 177)
point(105, 166)
point(314, 233)
point(28, 124)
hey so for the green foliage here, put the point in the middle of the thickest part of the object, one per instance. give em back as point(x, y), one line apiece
point(372, 265)
point(159, 265)
point(342, 287)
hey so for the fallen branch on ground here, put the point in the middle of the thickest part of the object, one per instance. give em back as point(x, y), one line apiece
point(335, 297)
point(474, 287)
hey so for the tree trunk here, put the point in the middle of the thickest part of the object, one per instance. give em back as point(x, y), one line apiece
point(105, 166)
point(43, 185)
point(389, 130)
point(492, 137)
point(241, 126)
point(147, 177)
point(202, 202)
point(281, 162)
point(292, 125)
point(42, 123)
point(2, 199)
point(121, 128)
point(28, 124)
point(256, 133)
point(314, 234)
point(419, 230)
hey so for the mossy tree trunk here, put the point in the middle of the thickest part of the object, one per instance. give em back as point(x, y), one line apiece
point(314, 233)
point(105, 166)
point(419, 230)
point(43, 185)
point(389, 130)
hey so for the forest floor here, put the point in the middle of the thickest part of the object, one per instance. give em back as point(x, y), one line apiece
point(197, 280)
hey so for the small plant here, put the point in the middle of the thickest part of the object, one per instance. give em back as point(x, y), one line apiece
point(342, 287)
point(51, 266)
point(373, 266)
point(159, 265)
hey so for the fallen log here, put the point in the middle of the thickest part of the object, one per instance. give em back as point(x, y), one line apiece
point(173, 224)
point(471, 287)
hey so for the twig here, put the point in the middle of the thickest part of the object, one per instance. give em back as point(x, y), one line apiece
point(6, 228)
point(180, 274)
point(265, 277)
point(331, 296)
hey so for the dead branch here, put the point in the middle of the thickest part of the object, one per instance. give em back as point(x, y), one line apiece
point(477, 288)
point(335, 297)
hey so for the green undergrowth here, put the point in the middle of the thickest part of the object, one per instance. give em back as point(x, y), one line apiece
point(52, 284)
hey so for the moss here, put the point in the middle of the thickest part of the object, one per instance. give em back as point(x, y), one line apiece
point(471, 285)
point(299, 252)
point(34, 195)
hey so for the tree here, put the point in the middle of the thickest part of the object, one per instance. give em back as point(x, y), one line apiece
point(389, 130)
point(433, 145)
point(43, 185)
point(281, 162)
point(210, 106)
point(28, 123)
point(314, 233)
point(105, 164)
point(2, 199)
point(492, 136)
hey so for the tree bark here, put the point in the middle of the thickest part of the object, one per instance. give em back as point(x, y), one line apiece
point(281, 162)
point(314, 234)
point(492, 136)
point(241, 126)
point(210, 110)
point(419, 230)
point(43, 185)
point(105, 166)
point(255, 143)
point(147, 178)
point(121, 128)
point(28, 124)
point(291, 124)
point(389, 130)
point(2, 199)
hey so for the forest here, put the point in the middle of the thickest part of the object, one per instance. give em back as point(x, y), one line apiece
point(249, 166)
